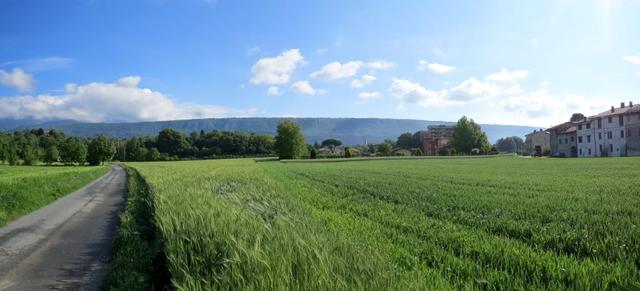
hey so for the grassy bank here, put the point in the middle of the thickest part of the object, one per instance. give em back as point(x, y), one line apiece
point(25, 189)
point(504, 223)
point(138, 260)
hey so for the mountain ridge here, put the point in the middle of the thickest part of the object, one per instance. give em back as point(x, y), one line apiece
point(349, 130)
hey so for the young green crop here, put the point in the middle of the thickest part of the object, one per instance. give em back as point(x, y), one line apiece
point(24, 189)
point(500, 223)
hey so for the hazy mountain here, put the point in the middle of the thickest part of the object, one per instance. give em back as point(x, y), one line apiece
point(349, 130)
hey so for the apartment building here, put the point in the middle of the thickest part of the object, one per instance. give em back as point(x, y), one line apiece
point(563, 139)
point(612, 133)
point(435, 138)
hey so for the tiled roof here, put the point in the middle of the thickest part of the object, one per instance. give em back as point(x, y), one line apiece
point(566, 127)
point(617, 111)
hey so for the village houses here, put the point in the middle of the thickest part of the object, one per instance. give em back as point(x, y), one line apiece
point(612, 133)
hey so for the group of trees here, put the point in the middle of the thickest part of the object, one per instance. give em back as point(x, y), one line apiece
point(32, 146)
point(171, 144)
point(37, 145)
point(468, 138)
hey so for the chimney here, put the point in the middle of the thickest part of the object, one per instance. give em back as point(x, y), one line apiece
point(612, 109)
point(621, 104)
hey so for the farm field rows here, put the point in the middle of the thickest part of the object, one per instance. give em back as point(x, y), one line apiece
point(25, 189)
point(500, 223)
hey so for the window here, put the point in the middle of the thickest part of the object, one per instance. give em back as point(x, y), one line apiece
point(579, 126)
point(628, 132)
point(559, 141)
point(600, 146)
point(609, 135)
point(599, 123)
point(580, 151)
point(610, 148)
point(622, 134)
point(610, 119)
point(599, 135)
point(621, 120)
point(589, 152)
point(566, 140)
point(589, 125)
point(580, 139)
point(573, 139)
point(588, 138)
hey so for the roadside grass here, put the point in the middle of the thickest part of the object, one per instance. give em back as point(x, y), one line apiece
point(25, 189)
point(399, 224)
point(137, 263)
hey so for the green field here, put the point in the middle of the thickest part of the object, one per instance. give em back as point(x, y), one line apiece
point(25, 189)
point(499, 223)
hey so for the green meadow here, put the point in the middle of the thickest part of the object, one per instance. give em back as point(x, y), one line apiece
point(25, 189)
point(495, 223)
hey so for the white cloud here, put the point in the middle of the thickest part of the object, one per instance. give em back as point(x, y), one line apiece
point(273, 90)
point(634, 59)
point(408, 92)
point(545, 83)
point(336, 70)
point(41, 64)
point(276, 70)
point(18, 79)
point(364, 81)
point(472, 90)
point(99, 102)
point(435, 67)
point(544, 108)
point(304, 88)
point(70, 87)
point(506, 76)
point(322, 50)
point(369, 95)
point(129, 81)
point(380, 65)
point(638, 74)
point(515, 89)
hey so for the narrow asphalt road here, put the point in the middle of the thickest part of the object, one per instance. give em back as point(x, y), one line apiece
point(66, 244)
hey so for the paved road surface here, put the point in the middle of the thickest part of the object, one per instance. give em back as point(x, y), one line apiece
point(65, 245)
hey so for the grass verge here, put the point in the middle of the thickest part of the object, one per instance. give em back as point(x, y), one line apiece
point(138, 258)
point(25, 189)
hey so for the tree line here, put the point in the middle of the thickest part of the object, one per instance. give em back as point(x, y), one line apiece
point(31, 147)
point(468, 138)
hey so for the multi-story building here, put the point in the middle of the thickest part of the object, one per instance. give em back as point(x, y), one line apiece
point(612, 133)
point(563, 140)
point(632, 123)
point(435, 138)
point(537, 141)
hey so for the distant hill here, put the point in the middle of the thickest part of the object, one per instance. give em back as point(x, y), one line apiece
point(349, 130)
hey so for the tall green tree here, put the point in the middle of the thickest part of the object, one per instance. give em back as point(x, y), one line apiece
point(290, 142)
point(172, 142)
point(385, 149)
point(73, 150)
point(101, 149)
point(511, 144)
point(153, 155)
point(407, 140)
point(468, 135)
point(51, 155)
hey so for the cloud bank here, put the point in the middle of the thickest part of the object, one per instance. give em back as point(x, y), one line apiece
point(122, 100)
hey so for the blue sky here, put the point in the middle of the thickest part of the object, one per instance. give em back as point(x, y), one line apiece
point(506, 62)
